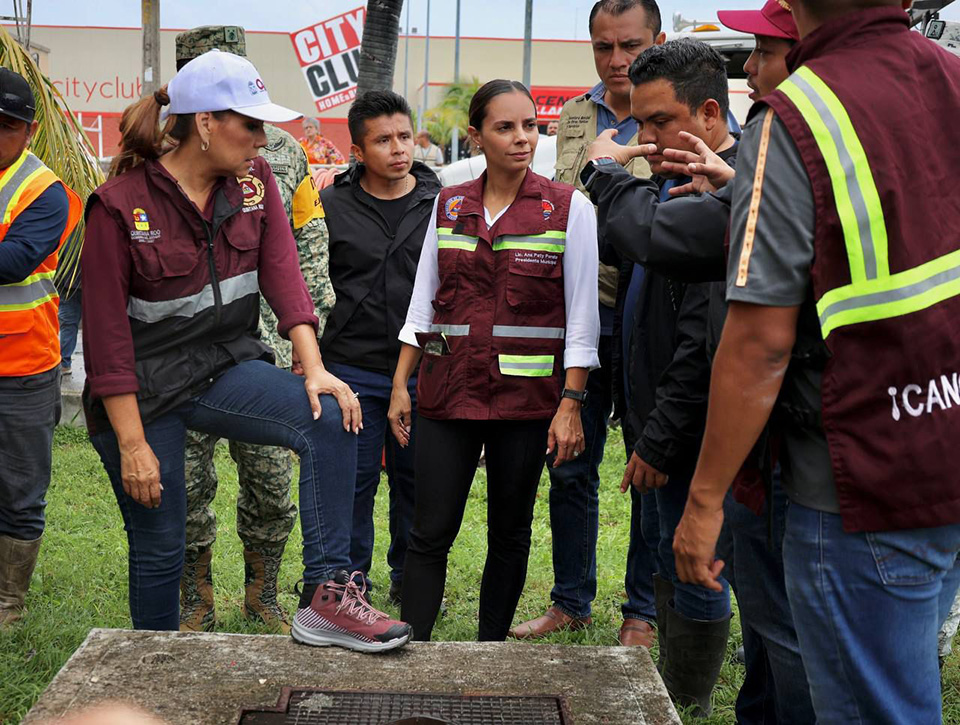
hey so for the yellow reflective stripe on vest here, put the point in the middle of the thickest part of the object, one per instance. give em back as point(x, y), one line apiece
point(15, 181)
point(546, 242)
point(32, 292)
point(892, 296)
point(855, 191)
point(526, 366)
point(874, 293)
point(457, 241)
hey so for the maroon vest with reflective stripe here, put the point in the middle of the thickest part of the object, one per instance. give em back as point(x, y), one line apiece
point(500, 317)
point(891, 395)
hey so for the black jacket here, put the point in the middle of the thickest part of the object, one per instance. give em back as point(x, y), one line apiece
point(668, 363)
point(369, 262)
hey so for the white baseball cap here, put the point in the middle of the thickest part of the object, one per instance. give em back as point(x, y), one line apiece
point(218, 81)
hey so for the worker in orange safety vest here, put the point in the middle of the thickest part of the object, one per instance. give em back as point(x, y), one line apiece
point(39, 213)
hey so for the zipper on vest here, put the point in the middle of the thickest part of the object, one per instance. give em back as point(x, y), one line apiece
point(214, 281)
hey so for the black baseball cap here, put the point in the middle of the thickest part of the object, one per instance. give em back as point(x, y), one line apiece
point(16, 97)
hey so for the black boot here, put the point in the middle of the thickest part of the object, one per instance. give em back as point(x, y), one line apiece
point(663, 593)
point(695, 653)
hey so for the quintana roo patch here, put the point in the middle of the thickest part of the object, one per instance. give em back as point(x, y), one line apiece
point(548, 208)
point(252, 189)
point(452, 207)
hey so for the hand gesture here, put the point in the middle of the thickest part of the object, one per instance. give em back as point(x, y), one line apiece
point(400, 415)
point(566, 434)
point(318, 381)
point(695, 544)
point(140, 474)
point(623, 155)
point(642, 476)
point(708, 170)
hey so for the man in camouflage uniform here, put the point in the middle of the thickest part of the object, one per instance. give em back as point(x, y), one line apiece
point(265, 511)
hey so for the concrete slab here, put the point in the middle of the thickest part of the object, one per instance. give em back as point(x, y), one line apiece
point(210, 678)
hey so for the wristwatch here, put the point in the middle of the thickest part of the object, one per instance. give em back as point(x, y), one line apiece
point(590, 170)
point(579, 395)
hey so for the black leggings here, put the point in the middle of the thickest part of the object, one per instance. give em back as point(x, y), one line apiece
point(447, 452)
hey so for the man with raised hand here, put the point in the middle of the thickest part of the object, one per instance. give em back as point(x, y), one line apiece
point(679, 87)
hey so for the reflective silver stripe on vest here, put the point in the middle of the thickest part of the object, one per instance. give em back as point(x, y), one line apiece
point(9, 186)
point(231, 290)
point(857, 197)
point(452, 330)
point(533, 333)
point(22, 296)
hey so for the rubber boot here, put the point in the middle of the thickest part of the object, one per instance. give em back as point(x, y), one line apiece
point(663, 594)
point(260, 582)
point(17, 561)
point(695, 653)
point(196, 592)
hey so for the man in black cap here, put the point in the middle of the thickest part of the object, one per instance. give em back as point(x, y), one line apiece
point(37, 213)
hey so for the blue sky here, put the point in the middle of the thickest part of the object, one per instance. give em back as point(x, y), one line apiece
point(494, 18)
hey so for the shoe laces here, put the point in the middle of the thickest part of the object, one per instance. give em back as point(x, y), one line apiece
point(353, 600)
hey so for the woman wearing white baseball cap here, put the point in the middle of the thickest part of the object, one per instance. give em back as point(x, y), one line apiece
point(179, 244)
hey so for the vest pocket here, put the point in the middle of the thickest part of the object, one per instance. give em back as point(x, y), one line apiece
point(432, 384)
point(526, 379)
point(155, 262)
point(447, 269)
point(534, 281)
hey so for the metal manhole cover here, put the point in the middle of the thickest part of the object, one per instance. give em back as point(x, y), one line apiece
point(336, 707)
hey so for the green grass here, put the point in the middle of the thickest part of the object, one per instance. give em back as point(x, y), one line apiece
point(81, 578)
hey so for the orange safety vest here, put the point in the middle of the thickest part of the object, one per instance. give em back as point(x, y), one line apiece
point(29, 328)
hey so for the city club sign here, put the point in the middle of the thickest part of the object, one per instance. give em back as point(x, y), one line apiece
point(329, 55)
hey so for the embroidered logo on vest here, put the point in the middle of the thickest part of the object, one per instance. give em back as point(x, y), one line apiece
point(140, 220)
point(452, 207)
point(548, 208)
point(253, 193)
point(942, 393)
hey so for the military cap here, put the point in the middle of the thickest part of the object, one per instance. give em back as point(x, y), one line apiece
point(195, 42)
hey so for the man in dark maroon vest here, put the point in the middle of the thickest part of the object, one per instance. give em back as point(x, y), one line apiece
point(844, 322)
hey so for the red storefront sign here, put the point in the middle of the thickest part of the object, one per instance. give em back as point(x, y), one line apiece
point(329, 55)
point(550, 100)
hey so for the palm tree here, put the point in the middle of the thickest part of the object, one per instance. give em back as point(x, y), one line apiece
point(378, 51)
point(60, 143)
point(452, 111)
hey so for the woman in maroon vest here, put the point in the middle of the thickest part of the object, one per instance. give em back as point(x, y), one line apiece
point(178, 245)
point(504, 312)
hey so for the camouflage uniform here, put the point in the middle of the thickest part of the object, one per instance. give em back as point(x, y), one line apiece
point(265, 512)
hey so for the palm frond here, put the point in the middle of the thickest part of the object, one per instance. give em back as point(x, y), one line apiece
point(61, 144)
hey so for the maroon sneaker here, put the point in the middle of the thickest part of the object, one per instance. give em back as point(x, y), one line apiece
point(338, 613)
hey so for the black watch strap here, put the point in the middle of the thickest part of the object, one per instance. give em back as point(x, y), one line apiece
point(578, 395)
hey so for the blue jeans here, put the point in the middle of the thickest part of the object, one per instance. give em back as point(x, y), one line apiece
point(662, 512)
point(775, 687)
point(575, 514)
point(642, 564)
point(253, 402)
point(868, 608)
point(69, 325)
point(375, 439)
point(29, 411)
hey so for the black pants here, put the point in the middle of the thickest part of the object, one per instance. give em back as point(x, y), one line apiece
point(446, 458)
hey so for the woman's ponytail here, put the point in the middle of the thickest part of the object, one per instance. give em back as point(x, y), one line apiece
point(141, 137)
